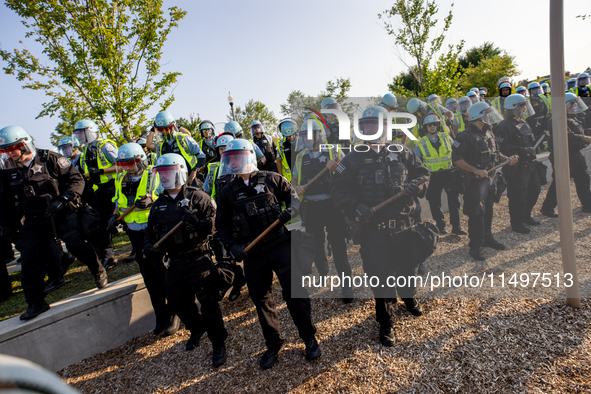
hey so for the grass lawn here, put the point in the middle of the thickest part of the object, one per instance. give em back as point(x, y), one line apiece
point(78, 279)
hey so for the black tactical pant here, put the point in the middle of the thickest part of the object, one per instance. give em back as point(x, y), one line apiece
point(523, 189)
point(318, 215)
point(35, 244)
point(6, 256)
point(479, 199)
point(152, 272)
point(438, 182)
point(578, 172)
point(258, 269)
point(387, 256)
point(190, 277)
point(105, 208)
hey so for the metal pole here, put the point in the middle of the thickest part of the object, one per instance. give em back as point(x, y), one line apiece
point(560, 154)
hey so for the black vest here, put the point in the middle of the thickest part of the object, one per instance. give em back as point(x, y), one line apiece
point(312, 167)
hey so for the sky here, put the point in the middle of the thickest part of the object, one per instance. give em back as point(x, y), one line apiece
point(263, 50)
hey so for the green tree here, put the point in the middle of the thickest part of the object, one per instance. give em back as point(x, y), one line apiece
point(106, 54)
point(191, 124)
point(487, 73)
point(412, 33)
point(69, 116)
point(475, 55)
point(297, 100)
point(255, 110)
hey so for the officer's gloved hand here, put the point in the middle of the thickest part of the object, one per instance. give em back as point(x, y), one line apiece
point(412, 189)
point(54, 207)
point(112, 222)
point(238, 253)
point(190, 219)
point(527, 153)
point(364, 214)
point(449, 122)
point(149, 250)
point(285, 215)
point(144, 203)
point(95, 175)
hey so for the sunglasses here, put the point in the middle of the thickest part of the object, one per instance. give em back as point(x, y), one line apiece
point(164, 129)
point(12, 148)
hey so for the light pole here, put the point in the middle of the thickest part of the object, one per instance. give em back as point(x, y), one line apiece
point(231, 101)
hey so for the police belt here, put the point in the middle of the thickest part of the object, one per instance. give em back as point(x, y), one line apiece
point(198, 251)
point(394, 223)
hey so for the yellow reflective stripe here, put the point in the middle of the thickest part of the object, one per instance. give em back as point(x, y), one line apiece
point(137, 215)
point(284, 164)
point(102, 161)
point(436, 160)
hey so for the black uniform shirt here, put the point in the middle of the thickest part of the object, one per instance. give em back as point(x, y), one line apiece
point(472, 144)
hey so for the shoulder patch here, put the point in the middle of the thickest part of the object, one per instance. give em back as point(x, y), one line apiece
point(62, 162)
point(110, 147)
point(341, 168)
point(500, 139)
point(456, 144)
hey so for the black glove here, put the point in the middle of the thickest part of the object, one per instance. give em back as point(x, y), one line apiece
point(364, 214)
point(238, 253)
point(95, 175)
point(412, 189)
point(6, 235)
point(54, 207)
point(285, 215)
point(112, 222)
point(190, 219)
point(149, 250)
point(144, 202)
point(527, 153)
point(449, 122)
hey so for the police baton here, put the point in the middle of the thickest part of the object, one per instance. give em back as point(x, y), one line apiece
point(261, 235)
point(542, 138)
point(495, 168)
point(48, 200)
point(124, 214)
point(395, 197)
point(172, 231)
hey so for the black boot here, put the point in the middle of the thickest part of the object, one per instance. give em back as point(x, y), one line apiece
point(219, 356)
point(194, 340)
point(35, 310)
point(347, 295)
point(101, 279)
point(54, 285)
point(458, 231)
point(413, 306)
point(521, 229)
point(173, 326)
point(493, 243)
point(531, 221)
point(387, 336)
point(476, 254)
point(549, 213)
point(313, 351)
point(269, 358)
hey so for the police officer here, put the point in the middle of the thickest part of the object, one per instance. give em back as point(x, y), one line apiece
point(515, 137)
point(207, 143)
point(332, 120)
point(47, 188)
point(504, 88)
point(577, 140)
point(435, 104)
point(317, 207)
point(6, 251)
point(473, 96)
point(582, 88)
point(365, 179)
point(521, 90)
point(475, 151)
point(136, 186)
point(246, 207)
point(461, 116)
point(571, 84)
point(214, 182)
point(452, 105)
point(434, 149)
point(265, 144)
point(538, 102)
point(98, 167)
point(68, 147)
point(288, 129)
point(421, 109)
point(390, 102)
point(188, 256)
point(233, 128)
point(171, 140)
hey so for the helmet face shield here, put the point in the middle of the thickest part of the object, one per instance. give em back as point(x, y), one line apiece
point(133, 166)
point(15, 152)
point(238, 162)
point(171, 177)
point(546, 88)
point(491, 116)
point(288, 128)
point(371, 127)
point(81, 135)
point(66, 150)
point(257, 128)
point(575, 106)
point(582, 82)
point(536, 90)
point(527, 110)
point(310, 140)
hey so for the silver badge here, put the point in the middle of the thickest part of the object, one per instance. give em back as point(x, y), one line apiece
point(185, 202)
point(393, 156)
point(37, 169)
point(322, 159)
point(259, 188)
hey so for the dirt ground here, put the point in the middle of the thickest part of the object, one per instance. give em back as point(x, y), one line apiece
point(486, 341)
